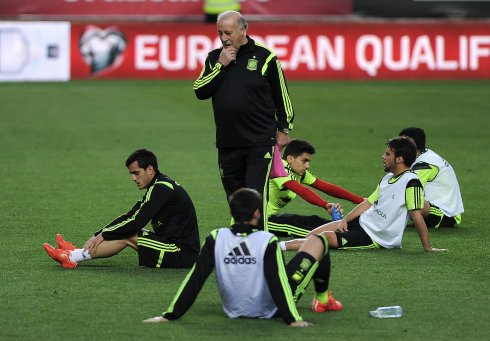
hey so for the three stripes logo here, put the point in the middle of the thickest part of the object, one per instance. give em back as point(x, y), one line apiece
point(240, 255)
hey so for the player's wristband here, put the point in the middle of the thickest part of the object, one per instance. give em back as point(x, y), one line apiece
point(282, 245)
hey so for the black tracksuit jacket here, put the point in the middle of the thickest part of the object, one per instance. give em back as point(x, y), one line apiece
point(250, 96)
point(169, 209)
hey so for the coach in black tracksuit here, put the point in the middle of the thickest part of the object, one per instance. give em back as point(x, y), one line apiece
point(251, 104)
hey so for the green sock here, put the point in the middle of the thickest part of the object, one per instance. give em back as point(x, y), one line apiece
point(322, 297)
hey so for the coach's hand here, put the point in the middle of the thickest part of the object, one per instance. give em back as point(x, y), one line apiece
point(300, 324)
point(156, 319)
point(282, 139)
point(227, 55)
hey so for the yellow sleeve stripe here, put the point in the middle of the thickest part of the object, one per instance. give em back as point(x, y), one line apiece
point(181, 288)
point(414, 197)
point(115, 227)
point(168, 184)
point(145, 200)
point(148, 194)
point(205, 80)
point(285, 285)
point(266, 64)
point(288, 107)
point(285, 96)
point(214, 233)
point(265, 47)
point(427, 175)
point(373, 197)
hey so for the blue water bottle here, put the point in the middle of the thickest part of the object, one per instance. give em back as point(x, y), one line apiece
point(336, 214)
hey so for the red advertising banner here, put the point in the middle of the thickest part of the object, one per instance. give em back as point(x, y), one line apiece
point(129, 9)
point(339, 50)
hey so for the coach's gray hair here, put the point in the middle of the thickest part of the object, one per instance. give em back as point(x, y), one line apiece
point(240, 18)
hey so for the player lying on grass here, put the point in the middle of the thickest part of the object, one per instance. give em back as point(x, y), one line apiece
point(379, 221)
point(443, 205)
point(250, 272)
point(282, 190)
point(175, 240)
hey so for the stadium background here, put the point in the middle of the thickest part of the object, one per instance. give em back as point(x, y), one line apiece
point(160, 39)
point(62, 147)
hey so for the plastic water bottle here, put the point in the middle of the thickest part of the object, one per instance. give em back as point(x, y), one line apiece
point(336, 214)
point(387, 312)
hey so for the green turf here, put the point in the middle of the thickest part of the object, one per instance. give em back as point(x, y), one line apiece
point(62, 152)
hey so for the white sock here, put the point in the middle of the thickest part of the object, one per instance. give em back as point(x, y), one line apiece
point(79, 255)
point(282, 245)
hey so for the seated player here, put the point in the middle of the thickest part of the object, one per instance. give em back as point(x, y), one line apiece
point(282, 190)
point(379, 221)
point(443, 205)
point(175, 240)
point(252, 279)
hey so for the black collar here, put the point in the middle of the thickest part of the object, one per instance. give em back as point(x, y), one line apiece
point(155, 178)
point(249, 46)
point(243, 229)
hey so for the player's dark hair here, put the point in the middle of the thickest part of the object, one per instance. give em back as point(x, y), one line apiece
point(404, 147)
point(144, 157)
point(243, 204)
point(297, 147)
point(417, 134)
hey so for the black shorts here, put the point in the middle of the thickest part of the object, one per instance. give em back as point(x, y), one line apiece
point(437, 218)
point(355, 237)
point(294, 225)
point(157, 252)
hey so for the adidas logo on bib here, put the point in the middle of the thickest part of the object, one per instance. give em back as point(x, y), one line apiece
point(240, 255)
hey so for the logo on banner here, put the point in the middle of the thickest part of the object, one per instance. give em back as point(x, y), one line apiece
point(102, 49)
point(13, 62)
point(252, 64)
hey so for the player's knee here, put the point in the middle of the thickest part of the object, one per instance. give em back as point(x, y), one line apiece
point(315, 246)
point(132, 242)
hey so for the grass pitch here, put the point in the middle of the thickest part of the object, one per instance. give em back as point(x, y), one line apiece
point(62, 152)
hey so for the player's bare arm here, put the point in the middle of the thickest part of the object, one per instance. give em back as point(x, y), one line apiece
point(419, 223)
point(341, 225)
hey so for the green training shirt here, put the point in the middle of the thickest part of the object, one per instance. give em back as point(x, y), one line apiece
point(280, 196)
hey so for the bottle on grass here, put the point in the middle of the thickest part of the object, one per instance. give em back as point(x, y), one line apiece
point(387, 312)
